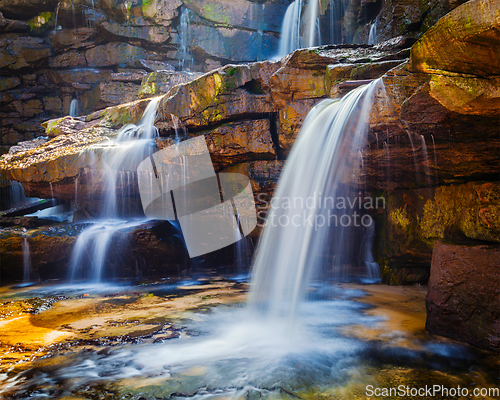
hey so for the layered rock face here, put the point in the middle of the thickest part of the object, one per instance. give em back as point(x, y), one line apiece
point(80, 56)
point(445, 104)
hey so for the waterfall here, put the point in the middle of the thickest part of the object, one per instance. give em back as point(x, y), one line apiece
point(313, 32)
point(290, 31)
point(57, 15)
point(435, 159)
point(184, 38)
point(426, 161)
point(26, 260)
point(305, 221)
point(121, 157)
point(372, 36)
point(74, 108)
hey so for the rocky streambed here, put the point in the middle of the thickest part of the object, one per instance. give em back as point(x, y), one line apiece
point(195, 338)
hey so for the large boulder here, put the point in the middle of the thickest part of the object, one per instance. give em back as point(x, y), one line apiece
point(463, 299)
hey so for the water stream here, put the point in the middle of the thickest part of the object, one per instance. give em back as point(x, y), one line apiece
point(120, 160)
point(307, 235)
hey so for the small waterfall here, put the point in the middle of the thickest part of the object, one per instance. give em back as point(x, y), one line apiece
point(313, 32)
point(178, 128)
point(307, 224)
point(184, 33)
point(132, 144)
point(74, 108)
point(337, 11)
point(435, 159)
point(372, 36)
point(290, 31)
point(426, 161)
point(26, 260)
point(57, 15)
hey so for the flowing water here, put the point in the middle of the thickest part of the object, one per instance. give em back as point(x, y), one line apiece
point(74, 108)
point(184, 33)
point(180, 346)
point(304, 223)
point(312, 32)
point(372, 36)
point(121, 157)
point(290, 32)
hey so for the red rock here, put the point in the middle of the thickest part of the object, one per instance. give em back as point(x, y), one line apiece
point(463, 299)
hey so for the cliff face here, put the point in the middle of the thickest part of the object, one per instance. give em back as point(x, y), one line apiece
point(95, 53)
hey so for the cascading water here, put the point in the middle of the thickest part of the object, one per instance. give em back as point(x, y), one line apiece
point(305, 221)
point(313, 37)
point(290, 31)
point(56, 27)
point(120, 160)
point(184, 32)
point(74, 108)
point(372, 36)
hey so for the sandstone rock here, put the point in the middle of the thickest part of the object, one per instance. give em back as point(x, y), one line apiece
point(80, 76)
point(290, 121)
point(72, 38)
point(155, 66)
point(473, 209)
point(161, 82)
point(116, 54)
point(463, 299)
point(18, 51)
point(219, 96)
point(241, 141)
point(161, 11)
point(68, 59)
point(153, 34)
point(463, 42)
point(267, 16)
point(132, 75)
point(233, 44)
point(63, 126)
point(9, 25)
point(9, 83)
point(114, 93)
point(26, 8)
point(52, 104)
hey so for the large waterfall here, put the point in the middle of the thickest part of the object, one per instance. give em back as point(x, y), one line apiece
point(316, 212)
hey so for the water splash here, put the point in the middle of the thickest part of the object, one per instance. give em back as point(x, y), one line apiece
point(298, 234)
